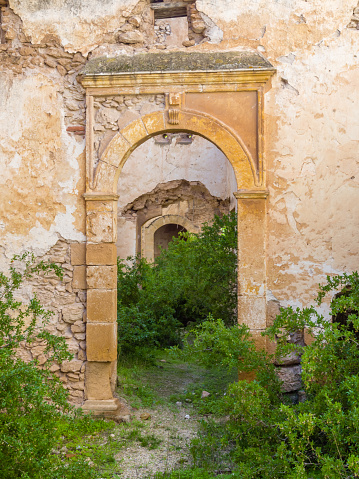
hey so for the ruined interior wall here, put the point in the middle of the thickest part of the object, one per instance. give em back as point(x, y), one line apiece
point(311, 124)
point(194, 162)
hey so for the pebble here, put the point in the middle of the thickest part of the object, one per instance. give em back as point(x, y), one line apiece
point(187, 416)
point(145, 416)
point(178, 403)
point(205, 394)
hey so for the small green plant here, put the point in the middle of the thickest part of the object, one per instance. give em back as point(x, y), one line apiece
point(33, 402)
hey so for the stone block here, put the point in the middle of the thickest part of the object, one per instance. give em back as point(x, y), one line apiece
point(134, 132)
point(273, 309)
point(111, 408)
point(101, 277)
point(105, 179)
point(79, 277)
point(154, 122)
point(78, 327)
point(71, 366)
point(72, 313)
point(78, 254)
point(101, 254)
point(288, 360)
point(100, 227)
point(259, 340)
point(308, 338)
point(100, 205)
point(97, 380)
point(101, 342)
point(101, 306)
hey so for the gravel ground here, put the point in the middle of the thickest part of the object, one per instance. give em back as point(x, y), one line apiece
point(175, 431)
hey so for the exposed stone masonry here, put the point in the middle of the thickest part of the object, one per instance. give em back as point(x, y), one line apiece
point(115, 112)
point(67, 300)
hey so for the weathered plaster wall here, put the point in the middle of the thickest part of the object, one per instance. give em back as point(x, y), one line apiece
point(193, 162)
point(311, 128)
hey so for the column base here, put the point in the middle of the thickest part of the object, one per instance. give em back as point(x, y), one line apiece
point(114, 409)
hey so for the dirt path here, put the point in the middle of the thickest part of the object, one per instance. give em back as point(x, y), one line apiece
point(173, 423)
point(165, 417)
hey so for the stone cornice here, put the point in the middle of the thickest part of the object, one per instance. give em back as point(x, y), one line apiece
point(184, 79)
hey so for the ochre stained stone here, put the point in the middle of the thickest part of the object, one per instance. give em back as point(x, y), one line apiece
point(97, 380)
point(101, 342)
point(154, 122)
point(101, 277)
point(100, 227)
point(79, 277)
point(101, 254)
point(134, 132)
point(101, 306)
point(78, 253)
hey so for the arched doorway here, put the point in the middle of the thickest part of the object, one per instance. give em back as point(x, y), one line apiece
point(194, 104)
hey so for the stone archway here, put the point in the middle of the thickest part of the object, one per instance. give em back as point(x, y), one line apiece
point(151, 226)
point(101, 197)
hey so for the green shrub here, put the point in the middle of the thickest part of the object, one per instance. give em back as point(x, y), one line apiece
point(33, 402)
point(194, 277)
point(264, 436)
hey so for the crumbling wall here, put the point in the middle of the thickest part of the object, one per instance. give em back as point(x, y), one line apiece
point(310, 137)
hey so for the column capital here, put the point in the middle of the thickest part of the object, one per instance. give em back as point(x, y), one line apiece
point(94, 196)
point(251, 194)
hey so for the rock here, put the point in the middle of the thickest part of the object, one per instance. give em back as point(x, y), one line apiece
point(54, 368)
point(188, 400)
point(135, 21)
point(78, 327)
point(187, 416)
point(291, 377)
point(72, 313)
point(145, 416)
point(71, 366)
point(198, 26)
point(205, 394)
point(26, 51)
point(61, 70)
point(288, 360)
point(302, 397)
point(130, 37)
point(188, 43)
point(78, 58)
point(50, 63)
point(178, 403)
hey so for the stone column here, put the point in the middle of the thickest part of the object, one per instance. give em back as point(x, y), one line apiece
point(252, 261)
point(101, 330)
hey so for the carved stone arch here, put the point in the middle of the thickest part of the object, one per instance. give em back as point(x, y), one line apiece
point(217, 95)
point(137, 132)
point(149, 229)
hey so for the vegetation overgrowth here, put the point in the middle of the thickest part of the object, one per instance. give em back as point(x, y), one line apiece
point(35, 416)
point(265, 435)
point(194, 277)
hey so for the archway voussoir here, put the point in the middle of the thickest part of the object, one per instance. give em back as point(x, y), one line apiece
point(154, 122)
point(135, 132)
point(115, 151)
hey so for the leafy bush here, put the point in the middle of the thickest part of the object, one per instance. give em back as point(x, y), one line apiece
point(194, 277)
point(33, 402)
point(265, 436)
